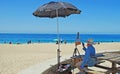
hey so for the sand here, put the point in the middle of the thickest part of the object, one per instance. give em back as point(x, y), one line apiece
point(35, 58)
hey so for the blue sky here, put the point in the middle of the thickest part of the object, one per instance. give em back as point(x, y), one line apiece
point(97, 16)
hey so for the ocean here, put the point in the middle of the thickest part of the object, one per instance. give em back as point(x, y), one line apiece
point(50, 38)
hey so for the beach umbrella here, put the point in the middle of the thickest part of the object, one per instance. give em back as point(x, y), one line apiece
point(57, 40)
point(56, 9)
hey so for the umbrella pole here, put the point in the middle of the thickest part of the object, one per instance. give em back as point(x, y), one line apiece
point(58, 50)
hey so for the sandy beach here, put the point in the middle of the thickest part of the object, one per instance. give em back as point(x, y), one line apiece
point(16, 58)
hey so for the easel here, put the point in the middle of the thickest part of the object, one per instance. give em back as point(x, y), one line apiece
point(76, 51)
point(76, 54)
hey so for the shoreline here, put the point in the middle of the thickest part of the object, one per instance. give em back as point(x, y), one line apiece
point(16, 58)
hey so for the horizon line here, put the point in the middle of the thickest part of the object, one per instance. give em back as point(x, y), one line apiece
point(60, 33)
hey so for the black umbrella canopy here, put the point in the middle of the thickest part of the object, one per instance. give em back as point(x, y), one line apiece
point(49, 10)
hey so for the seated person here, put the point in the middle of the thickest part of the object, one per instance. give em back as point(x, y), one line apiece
point(87, 58)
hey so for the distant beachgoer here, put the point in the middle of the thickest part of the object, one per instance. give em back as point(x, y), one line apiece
point(10, 42)
point(88, 57)
point(65, 41)
point(98, 42)
point(61, 41)
point(56, 42)
point(29, 42)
